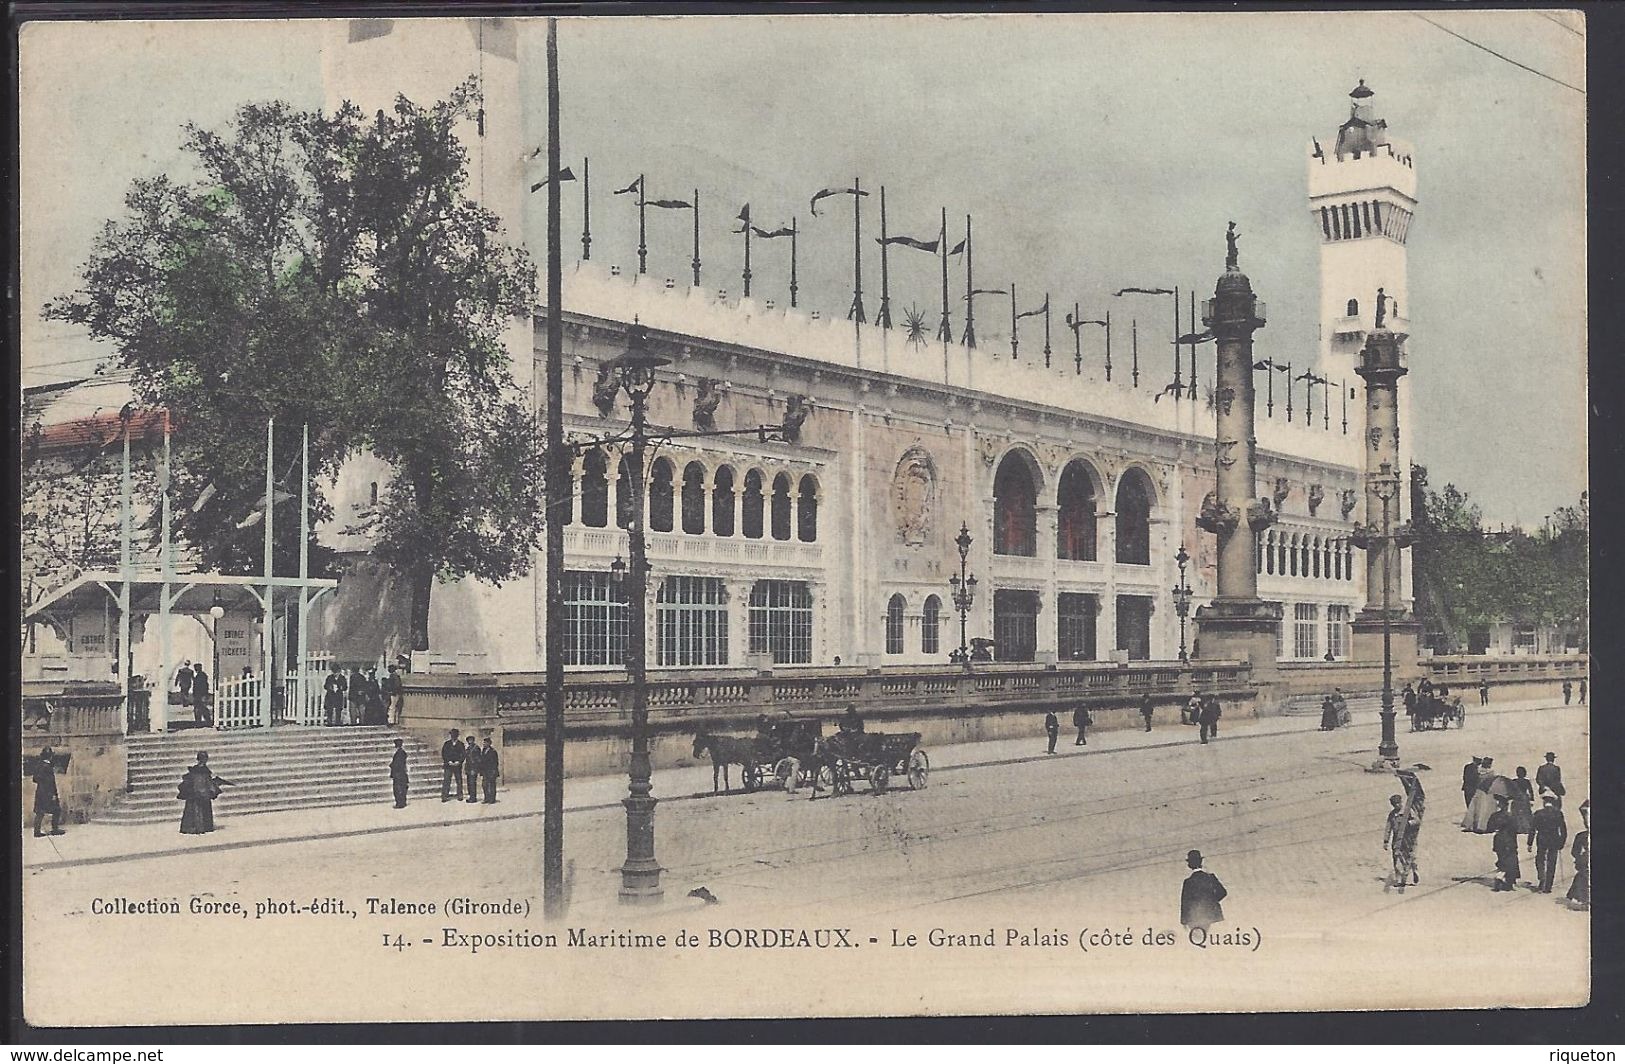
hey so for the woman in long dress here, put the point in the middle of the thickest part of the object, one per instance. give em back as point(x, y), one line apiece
point(1521, 795)
point(1580, 890)
point(1505, 845)
point(199, 788)
point(1482, 807)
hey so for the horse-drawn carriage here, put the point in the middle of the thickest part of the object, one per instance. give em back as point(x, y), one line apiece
point(1436, 711)
point(875, 757)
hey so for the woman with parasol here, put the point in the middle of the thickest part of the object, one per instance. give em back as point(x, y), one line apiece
point(199, 788)
point(1491, 788)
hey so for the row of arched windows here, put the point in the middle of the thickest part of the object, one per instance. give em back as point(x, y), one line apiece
point(1283, 553)
point(1015, 512)
point(1351, 221)
point(930, 625)
point(783, 508)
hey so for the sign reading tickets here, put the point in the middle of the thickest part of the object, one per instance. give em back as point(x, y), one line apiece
point(234, 636)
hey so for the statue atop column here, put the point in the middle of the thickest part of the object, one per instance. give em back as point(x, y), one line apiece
point(1230, 238)
point(1381, 298)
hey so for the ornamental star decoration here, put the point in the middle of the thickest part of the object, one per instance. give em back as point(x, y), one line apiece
point(914, 326)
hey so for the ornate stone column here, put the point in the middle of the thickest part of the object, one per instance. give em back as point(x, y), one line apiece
point(1237, 624)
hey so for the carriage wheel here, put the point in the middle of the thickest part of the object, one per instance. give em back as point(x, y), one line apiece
point(879, 778)
point(753, 778)
point(919, 767)
point(843, 778)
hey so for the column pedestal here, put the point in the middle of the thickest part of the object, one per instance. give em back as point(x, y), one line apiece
point(1240, 630)
point(1405, 642)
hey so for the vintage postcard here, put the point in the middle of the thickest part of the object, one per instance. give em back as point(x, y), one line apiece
point(787, 516)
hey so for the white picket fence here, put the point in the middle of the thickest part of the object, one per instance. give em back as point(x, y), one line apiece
point(302, 702)
point(237, 703)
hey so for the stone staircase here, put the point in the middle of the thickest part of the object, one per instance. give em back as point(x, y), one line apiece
point(287, 767)
point(1360, 703)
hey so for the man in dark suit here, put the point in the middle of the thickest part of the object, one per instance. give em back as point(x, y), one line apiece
point(1147, 708)
point(1549, 777)
point(183, 683)
point(397, 773)
point(1052, 728)
point(393, 690)
point(201, 710)
point(1081, 721)
point(489, 771)
point(1200, 897)
point(452, 755)
point(46, 799)
point(1208, 718)
point(471, 767)
point(1551, 832)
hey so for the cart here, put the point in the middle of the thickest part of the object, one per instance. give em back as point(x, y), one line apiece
point(875, 757)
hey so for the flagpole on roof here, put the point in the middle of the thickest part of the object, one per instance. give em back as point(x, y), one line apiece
point(945, 331)
point(1289, 393)
point(794, 229)
point(969, 337)
point(883, 319)
point(1108, 346)
point(1179, 383)
point(1192, 321)
point(1077, 338)
point(1343, 387)
point(1134, 348)
point(586, 209)
point(643, 247)
point(1046, 330)
point(696, 262)
point(856, 313)
point(744, 216)
point(1014, 339)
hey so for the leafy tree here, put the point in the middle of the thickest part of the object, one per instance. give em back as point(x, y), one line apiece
point(329, 270)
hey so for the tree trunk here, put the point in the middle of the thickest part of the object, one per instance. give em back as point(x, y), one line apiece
point(420, 574)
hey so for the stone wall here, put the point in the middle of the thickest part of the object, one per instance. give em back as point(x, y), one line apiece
point(87, 724)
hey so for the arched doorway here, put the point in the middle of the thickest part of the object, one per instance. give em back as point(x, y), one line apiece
point(1134, 497)
point(1015, 507)
point(1075, 503)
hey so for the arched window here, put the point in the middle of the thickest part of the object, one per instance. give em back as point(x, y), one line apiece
point(1280, 554)
point(807, 510)
point(1326, 559)
point(1269, 553)
point(1348, 560)
point(894, 625)
point(1292, 556)
point(750, 522)
point(1304, 547)
point(1015, 508)
point(722, 502)
point(1075, 502)
point(1315, 555)
point(623, 493)
point(1354, 308)
point(660, 496)
point(931, 626)
point(1258, 555)
point(372, 495)
point(594, 490)
point(781, 506)
point(1134, 518)
point(694, 499)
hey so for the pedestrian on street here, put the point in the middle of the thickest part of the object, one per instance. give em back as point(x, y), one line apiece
point(183, 684)
point(1568, 692)
point(1328, 714)
point(1081, 721)
point(1551, 832)
point(451, 766)
point(394, 692)
point(1521, 799)
point(1579, 895)
point(357, 697)
point(1199, 898)
point(1549, 777)
point(1480, 815)
point(1208, 718)
point(1399, 839)
point(489, 771)
point(1147, 707)
point(1052, 728)
point(1483, 692)
point(1469, 782)
point(199, 788)
point(471, 767)
point(1505, 845)
point(47, 801)
point(333, 689)
point(1191, 711)
point(397, 773)
point(1582, 690)
point(1408, 696)
point(202, 712)
point(372, 694)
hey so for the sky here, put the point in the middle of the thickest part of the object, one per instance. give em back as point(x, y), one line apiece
point(1095, 151)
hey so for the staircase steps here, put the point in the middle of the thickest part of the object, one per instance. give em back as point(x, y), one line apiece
point(284, 768)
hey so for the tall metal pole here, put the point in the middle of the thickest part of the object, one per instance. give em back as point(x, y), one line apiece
point(1179, 379)
point(883, 319)
point(745, 276)
point(1046, 330)
point(1388, 748)
point(1343, 386)
point(1289, 393)
point(1108, 346)
point(696, 262)
point(270, 575)
point(1134, 348)
point(856, 313)
point(558, 498)
point(1015, 345)
point(945, 330)
point(795, 229)
point(643, 244)
point(640, 875)
point(586, 209)
point(1077, 338)
point(969, 337)
point(1192, 321)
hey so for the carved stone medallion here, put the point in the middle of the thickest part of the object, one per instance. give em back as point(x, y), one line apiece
point(914, 496)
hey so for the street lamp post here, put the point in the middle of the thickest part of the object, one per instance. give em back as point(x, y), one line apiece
point(640, 875)
point(1182, 601)
point(1384, 484)
point(964, 593)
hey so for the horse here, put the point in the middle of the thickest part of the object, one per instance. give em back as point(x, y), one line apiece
point(725, 750)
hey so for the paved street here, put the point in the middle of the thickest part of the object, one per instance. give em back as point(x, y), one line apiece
point(1005, 842)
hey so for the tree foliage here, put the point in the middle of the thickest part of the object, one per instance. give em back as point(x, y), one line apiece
point(329, 270)
point(1467, 577)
